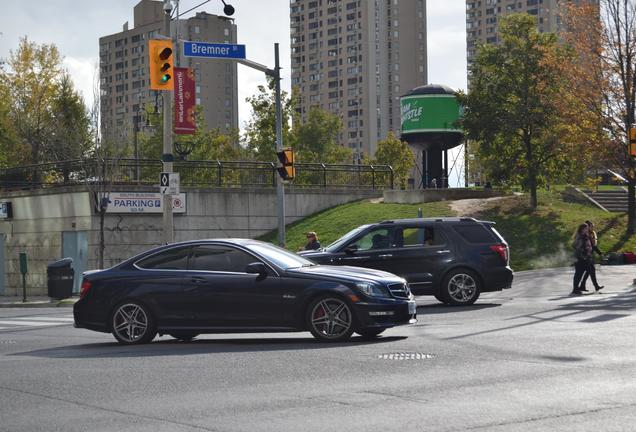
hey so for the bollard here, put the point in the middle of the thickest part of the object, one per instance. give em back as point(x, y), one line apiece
point(23, 270)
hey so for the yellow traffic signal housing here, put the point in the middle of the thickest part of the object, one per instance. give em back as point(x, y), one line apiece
point(286, 157)
point(161, 64)
point(632, 142)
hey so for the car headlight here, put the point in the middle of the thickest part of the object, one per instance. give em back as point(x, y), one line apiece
point(372, 290)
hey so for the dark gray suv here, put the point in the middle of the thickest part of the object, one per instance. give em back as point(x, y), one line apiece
point(454, 259)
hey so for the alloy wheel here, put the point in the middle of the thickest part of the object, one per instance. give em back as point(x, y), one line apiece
point(331, 319)
point(130, 323)
point(462, 288)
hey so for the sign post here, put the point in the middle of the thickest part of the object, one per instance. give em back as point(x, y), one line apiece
point(23, 270)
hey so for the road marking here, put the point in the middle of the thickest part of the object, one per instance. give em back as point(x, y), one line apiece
point(44, 319)
point(29, 323)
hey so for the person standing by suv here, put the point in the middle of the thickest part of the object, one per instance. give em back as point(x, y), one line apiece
point(312, 241)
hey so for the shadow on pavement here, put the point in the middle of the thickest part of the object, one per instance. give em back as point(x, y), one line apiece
point(169, 347)
point(604, 302)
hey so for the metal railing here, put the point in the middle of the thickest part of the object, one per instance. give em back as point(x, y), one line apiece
point(193, 174)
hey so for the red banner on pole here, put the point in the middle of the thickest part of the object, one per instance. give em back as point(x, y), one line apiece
point(184, 101)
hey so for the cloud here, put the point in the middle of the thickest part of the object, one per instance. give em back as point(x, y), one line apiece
point(83, 71)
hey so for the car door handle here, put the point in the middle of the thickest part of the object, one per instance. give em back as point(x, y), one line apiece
point(385, 256)
point(198, 280)
point(445, 251)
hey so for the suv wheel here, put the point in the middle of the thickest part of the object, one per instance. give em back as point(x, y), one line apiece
point(461, 287)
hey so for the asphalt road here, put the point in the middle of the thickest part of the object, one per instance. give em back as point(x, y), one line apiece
point(526, 359)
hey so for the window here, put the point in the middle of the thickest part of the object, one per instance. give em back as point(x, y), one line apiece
point(417, 236)
point(379, 238)
point(475, 233)
point(172, 259)
point(220, 259)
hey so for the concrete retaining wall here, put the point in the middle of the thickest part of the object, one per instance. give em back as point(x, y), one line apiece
point(40, 218)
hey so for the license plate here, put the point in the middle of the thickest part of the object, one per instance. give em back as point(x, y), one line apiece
point(412, 307)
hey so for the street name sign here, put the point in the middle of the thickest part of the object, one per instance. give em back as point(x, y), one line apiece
point(213, 50)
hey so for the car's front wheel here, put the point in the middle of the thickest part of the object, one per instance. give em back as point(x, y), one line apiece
point(330, 319)
point(461, 287)
point(132, 323)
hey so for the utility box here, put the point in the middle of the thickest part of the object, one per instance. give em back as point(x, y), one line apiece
point(60, 275)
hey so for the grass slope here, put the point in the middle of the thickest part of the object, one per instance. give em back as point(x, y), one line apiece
point(537, 239)
point(543, 238)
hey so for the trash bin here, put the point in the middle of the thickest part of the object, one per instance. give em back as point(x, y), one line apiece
point(60, 277)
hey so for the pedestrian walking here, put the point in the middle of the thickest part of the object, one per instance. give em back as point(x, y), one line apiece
point(583, 252)
point(590, 270)
point(312, 241)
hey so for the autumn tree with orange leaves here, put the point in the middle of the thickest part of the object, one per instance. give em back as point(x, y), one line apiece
point(602, 79)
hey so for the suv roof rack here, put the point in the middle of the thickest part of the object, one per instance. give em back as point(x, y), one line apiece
point(386, 222)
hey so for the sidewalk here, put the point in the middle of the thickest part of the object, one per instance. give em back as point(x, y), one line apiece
point(35, 302)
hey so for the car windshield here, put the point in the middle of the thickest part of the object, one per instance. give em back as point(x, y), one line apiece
point(333, 247)
point(278, 256)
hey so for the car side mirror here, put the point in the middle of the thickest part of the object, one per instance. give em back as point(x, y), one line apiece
point(256, 268)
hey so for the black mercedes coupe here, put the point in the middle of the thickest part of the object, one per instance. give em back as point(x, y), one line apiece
point(238, 286)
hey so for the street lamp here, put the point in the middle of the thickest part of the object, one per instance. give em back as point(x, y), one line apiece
point(227, 9)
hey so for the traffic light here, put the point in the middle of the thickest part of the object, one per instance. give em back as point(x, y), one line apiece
point(160, 60)
point(632, 141)
point(286, 158)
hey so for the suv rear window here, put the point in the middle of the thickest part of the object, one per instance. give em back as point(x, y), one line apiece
point(475, 233)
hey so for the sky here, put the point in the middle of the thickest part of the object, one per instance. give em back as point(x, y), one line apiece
point(76, 25)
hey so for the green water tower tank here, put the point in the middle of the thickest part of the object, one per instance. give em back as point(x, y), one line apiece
point(429, 117)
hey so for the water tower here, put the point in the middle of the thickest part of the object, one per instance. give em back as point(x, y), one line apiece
point(429, 124)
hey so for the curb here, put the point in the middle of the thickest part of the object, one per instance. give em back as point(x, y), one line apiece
point(43, 304)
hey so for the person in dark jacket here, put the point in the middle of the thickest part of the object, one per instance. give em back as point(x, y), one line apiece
point(312, 241)
point(590, 270)
point(583, 252)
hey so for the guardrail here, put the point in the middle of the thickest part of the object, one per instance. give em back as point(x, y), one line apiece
point(193, 174)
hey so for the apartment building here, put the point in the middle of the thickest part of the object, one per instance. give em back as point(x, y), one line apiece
point(482, 17)
point(125, 79)
point(355, 58)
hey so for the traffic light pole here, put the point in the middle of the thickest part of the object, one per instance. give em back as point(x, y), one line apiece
point(167, 157)
point(280, 187)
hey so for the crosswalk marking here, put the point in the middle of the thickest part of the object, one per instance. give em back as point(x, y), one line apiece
point(41, 321)
point(29, 323)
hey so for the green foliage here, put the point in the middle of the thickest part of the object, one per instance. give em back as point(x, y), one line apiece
point(36, 87)
point(260, 133)
point(317, 138)
point(396, 153)
point(512, 108)
point(70, 136)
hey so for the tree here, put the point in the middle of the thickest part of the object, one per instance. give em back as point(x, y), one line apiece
point(70, 136)
point(603, 79)
point(511, 109)
point(260, 133)
point(317, 138)
point(398, 154)
point(34, 72)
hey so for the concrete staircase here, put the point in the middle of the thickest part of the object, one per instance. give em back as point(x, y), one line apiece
point(613, 201)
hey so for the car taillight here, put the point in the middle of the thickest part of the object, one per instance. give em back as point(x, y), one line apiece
point(502, 250)
point(86, 285)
